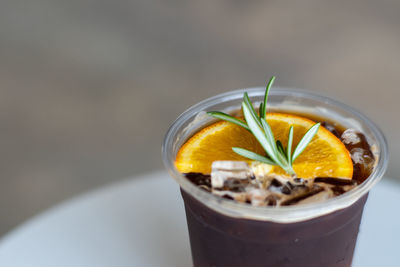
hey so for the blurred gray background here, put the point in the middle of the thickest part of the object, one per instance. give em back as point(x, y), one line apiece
point(88, 88)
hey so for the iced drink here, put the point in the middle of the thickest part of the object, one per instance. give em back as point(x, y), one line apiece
point(266, 208)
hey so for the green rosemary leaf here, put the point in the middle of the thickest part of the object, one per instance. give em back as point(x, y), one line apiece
point(251, 108)
point(251, 155)
point(226, 117)
point(269, 134)
point(280, 148)
point(260, 109)
point(305, 141)
point(259, 133)
point(289, 146)
point(269, 85)
point(282, 156)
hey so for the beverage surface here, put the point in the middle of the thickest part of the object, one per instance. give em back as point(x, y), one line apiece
point(251, 182)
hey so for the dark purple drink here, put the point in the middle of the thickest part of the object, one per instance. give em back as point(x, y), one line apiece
point(284, 231)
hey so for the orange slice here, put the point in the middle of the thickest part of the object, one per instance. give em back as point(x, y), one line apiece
point(325, 156)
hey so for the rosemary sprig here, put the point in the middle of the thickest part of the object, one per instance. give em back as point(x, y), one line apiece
point(276, 153)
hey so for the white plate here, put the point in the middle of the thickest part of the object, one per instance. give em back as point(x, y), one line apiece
point(141, 222)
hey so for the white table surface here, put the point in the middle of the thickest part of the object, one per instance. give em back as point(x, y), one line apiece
point(122, 225)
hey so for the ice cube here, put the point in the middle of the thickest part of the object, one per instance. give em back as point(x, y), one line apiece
point(350, 137)
point(361, 156)
point(363, 161)
point(221, 171)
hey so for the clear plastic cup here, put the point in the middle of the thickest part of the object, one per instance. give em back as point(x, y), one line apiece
point(226, 233)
